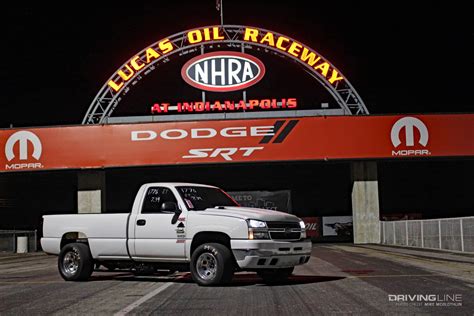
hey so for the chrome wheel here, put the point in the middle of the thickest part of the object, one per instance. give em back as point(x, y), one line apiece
point(206, 266)
point(71, 262)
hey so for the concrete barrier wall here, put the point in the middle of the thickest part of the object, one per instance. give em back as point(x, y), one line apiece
point(9, 240)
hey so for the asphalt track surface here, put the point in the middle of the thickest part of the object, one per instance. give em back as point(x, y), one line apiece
point(339, 279)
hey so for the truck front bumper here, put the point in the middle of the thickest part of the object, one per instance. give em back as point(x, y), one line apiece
point(270, 254)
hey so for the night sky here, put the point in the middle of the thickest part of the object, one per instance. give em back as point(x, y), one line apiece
point(401, 57)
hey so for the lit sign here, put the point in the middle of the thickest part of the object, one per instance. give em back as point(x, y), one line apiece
point(218, 106)
point(199, 75)
point(136, 63)
point(228, 66)
point(223, 71)
point(294, 49)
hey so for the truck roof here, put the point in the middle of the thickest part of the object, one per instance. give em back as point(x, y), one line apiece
point(180, 184)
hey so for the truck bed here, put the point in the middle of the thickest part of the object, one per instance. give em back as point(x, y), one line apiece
point(105, 233)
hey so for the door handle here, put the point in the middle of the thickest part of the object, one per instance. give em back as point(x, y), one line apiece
point(141, 222)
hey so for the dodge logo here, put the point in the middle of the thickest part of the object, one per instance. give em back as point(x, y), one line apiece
point(223, 71)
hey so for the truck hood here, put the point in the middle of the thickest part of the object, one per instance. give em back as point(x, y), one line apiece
point(251, 213)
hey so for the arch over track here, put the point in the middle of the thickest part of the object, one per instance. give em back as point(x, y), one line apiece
point(222, 37)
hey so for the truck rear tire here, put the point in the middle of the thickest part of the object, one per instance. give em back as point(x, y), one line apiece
point(75, 262)
point(273, 276)
point(212, 264)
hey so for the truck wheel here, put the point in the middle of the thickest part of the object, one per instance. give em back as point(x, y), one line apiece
point(75, 262)
point(273, 276)
point(212, 264)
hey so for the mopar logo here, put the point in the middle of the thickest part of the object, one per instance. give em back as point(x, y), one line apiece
point(223, 71)
point(23, 138)
point(409, 124)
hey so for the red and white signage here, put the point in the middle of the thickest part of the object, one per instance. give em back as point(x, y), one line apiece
point(218, 106)
point(307, 138)
point(313, 226)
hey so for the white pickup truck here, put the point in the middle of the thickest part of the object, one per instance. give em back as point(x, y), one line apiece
point(179, 227)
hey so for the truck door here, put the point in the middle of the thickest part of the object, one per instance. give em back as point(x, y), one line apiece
point(159, 233)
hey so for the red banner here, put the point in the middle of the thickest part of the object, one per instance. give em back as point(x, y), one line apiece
point(308, 138)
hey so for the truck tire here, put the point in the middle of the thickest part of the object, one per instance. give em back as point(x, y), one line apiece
point(273, 276)
point(75, 262)
point(212, 264)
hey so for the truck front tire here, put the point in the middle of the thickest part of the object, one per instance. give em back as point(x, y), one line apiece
point(212, 264)
point(75, 262)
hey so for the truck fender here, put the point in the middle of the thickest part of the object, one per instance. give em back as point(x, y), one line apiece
point(71, 237)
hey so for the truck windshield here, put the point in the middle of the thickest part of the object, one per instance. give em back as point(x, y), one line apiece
point(200, 198)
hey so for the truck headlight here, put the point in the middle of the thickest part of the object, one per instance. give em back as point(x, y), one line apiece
point(253, 223)
point(303, 229)
point(257, 229)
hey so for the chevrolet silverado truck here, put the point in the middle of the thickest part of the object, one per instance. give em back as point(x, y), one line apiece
point(179, 227)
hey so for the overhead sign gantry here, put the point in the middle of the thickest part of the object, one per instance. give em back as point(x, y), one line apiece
point(225, 38)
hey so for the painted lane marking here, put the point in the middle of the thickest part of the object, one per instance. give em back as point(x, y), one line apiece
point(142, 300)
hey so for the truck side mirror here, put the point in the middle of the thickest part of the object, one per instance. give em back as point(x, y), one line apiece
point(170, 207)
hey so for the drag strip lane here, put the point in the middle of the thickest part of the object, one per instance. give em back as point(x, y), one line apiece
point(338, 279)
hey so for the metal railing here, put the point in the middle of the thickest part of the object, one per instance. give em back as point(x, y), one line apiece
point(8, 240)
point(456, 234)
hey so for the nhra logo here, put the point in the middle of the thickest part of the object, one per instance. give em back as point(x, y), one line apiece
point(23, 138)
point(223, 71)
point(409, 124)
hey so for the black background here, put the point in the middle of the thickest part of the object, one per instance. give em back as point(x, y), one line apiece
point(401, 56)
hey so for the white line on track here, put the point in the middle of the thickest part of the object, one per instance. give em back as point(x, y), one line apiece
point(142, 300)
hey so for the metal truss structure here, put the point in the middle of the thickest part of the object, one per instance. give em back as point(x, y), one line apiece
point(107, 99)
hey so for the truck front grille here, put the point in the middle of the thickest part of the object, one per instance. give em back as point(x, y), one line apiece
point(285, 236)
point(284, 230)
point(283, 224)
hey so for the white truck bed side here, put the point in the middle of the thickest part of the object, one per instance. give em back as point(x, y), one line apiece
point(106, 233)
